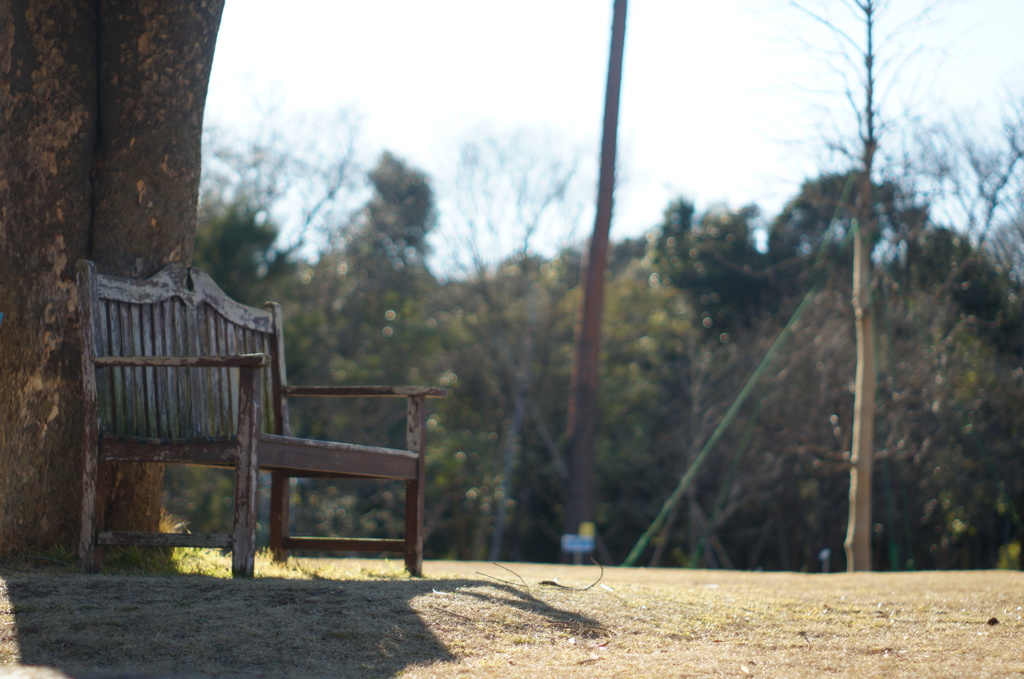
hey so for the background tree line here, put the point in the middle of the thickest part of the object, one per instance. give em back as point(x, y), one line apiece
point(691, 310)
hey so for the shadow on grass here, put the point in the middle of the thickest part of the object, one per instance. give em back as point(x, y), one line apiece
point(264, 627)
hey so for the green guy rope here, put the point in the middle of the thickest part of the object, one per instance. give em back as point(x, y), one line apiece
point(748, 388)
point(720, 430)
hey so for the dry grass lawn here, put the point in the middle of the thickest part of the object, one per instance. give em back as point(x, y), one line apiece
point(362, 618)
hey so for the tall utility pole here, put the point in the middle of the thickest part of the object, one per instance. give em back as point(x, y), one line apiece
point(583, 411)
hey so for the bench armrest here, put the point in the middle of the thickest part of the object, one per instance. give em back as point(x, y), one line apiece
point(430, 392)
point(241, 361)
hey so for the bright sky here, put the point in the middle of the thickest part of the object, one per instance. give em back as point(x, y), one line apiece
point(721, 101)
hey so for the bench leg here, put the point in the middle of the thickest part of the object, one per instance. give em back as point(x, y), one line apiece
point(278, 515)
point(243, 550)
point(414, 528)
point(414, 490)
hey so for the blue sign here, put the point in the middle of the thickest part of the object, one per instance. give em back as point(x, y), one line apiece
point(577, 544)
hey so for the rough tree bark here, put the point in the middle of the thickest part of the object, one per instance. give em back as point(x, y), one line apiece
point(101, 107)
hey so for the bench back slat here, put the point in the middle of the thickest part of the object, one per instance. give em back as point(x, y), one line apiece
point(178, 312)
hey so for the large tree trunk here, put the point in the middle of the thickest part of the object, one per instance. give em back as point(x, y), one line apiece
point(101, 108)
point(47, 135)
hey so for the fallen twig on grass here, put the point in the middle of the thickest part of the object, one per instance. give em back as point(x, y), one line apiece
point(445, 611)
point(549, 583)
point(555, 583)
point(505, 582)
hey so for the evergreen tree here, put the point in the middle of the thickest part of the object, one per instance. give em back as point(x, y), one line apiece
point(237, 246)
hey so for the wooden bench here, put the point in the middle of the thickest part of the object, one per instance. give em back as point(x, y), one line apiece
point(174, 371)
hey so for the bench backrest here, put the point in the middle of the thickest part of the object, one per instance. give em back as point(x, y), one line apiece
point(179, 311)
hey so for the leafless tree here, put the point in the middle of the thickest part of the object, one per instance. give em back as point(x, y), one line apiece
point(857, 58)
point(975, 181)
point(511, 196)
point(304, 169)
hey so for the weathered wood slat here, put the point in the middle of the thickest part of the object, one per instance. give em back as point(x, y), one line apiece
point(200, 421)
point(253, 342)
point(91, 332)
point(299, 455)
point(149, 392)
point(202, 540)
point(309, 474)
point(129, 341)
point(221, 392)
point(119, 413)
point(232, 376)
point(161, 397)
point(228, 392)
point(213, 388)
point(139, 449)
point(175, 281)
point(166, 391)
point(101, 342)
point(277, 372)
point(242, 361)
point(187, 413)
point(345, 544)
point(366, 391)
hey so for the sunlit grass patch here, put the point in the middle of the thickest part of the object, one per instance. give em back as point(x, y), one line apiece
point(359, 617)
point(216, 563)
